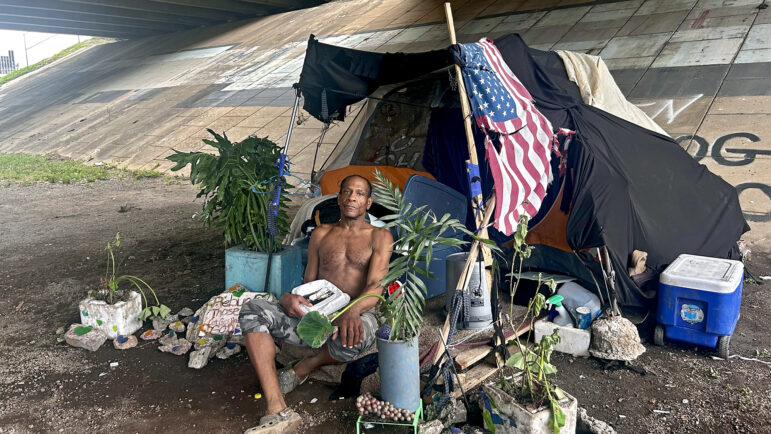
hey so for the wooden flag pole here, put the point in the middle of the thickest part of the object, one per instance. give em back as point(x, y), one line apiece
point(481, 220)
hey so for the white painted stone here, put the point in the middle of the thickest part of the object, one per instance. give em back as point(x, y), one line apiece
point(185, 311)
point(130, 342)
point(121, 318)
point(572, 340)
point(177, 326)
point(90, 341)
point(177, 347)
point(199, 358)
point(227, 351)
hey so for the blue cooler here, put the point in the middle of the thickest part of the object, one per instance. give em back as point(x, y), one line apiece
point(699, 300)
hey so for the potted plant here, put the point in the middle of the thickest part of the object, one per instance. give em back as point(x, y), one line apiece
point(117, 311)
point(418, 230)
point(529, 399)
point(236, 186)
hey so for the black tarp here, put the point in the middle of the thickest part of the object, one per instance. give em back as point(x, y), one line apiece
point(627, 187)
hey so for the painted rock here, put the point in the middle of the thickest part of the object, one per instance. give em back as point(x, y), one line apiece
point(228, 350)
point(160, 324)
point(87, 337)
point(123, 342)
point(199, 358)
point(185, 312)
point(150, 335)
point(168, 338)
point(177, 347)
point(177, 326)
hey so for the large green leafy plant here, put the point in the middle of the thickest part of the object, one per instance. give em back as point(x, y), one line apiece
point(226, 181)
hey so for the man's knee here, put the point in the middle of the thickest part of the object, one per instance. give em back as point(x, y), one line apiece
point(347, 354)
point(256, 316)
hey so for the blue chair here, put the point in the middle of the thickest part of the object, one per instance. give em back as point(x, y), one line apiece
point(441, 199)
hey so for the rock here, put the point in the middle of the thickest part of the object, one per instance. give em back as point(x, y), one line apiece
point(171, 318)
point(185, 312)
point(169, 338)
point(61, 330)
point(214, 342)
point(177, 326)
point(228, 350)
point(615, 338)
point(160, 324)
point(177, 347)
point(86, 337)
point(122, 342)
point(237, 339)
point(433, 427)
point(199, 358)
point(589, 424)
point(150, 335)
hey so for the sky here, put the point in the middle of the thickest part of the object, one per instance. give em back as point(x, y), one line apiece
point(38, 45)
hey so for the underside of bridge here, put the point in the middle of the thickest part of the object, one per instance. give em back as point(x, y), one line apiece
point(128, 19)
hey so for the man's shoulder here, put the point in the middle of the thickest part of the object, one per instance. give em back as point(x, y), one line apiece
point(381, 234)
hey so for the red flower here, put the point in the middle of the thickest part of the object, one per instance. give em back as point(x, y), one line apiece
point(393, 287)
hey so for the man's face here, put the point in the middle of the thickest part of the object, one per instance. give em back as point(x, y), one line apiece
point(353, 199)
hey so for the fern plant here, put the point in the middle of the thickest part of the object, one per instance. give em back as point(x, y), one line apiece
point(226, 180)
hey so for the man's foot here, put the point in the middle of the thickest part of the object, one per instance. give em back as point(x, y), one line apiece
point(288, 379)
point(284, 422)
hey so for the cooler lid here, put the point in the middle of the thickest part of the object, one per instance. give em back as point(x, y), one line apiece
point(704, 273)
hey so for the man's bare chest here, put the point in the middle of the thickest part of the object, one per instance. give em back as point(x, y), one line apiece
point(341, 254)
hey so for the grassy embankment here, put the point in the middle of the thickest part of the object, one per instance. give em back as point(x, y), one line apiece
point(67, 51)
point(28, 169)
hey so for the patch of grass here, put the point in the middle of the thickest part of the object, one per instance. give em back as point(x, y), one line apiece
point(746, 400)
point(67, 51)
point(27, 169)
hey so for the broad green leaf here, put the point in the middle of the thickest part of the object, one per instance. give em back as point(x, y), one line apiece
point(314, 328)
point(163, 311)
point(516, 361)
point(557, 417)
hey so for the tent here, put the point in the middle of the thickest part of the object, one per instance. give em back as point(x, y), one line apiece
point(618, 184)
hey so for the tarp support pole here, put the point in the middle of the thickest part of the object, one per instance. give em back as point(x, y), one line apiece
point(476, 201)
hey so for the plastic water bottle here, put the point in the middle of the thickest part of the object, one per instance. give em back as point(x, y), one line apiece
point(576, 296)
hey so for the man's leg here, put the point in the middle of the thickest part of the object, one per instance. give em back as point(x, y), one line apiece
point(262, 353)
point(305, 366)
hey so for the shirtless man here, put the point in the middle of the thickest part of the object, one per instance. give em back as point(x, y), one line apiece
point(353, 255)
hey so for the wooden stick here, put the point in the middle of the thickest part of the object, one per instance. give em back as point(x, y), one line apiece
point(476, 201)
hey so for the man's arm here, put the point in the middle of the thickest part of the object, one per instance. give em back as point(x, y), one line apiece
point(291, 302)
point(349, 323)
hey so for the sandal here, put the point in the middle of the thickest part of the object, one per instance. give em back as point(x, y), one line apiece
point(288, 379)
point(284, 422)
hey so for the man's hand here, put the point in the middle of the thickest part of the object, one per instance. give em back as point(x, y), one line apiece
point(291, 304)
point(350, 329)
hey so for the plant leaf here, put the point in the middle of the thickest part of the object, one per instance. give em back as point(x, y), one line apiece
point(314, 328)
point(557, 417)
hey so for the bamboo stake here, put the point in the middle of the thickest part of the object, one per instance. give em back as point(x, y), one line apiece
point(476, 201)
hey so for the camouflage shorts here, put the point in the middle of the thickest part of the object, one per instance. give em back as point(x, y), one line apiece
point(264, 316)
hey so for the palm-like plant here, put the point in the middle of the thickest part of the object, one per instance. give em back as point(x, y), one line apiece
point(418, 230)
point(226, 181)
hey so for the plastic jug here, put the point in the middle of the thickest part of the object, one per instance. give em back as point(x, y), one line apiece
point(576, 296)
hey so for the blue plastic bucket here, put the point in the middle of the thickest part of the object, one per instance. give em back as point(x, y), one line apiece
point(248, 268)
point(399, 373)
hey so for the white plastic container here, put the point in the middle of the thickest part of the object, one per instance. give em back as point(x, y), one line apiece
point(576, 296)
point(333, 298)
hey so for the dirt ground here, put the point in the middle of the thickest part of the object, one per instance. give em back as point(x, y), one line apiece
point(51, 252)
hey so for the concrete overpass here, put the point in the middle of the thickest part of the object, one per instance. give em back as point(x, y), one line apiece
point(127, 19)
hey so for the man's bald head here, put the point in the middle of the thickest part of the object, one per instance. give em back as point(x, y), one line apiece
point(350, 177)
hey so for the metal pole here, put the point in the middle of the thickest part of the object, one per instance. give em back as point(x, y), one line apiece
point(26, 57)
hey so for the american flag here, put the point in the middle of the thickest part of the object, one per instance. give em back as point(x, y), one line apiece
point(501, 104)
